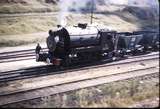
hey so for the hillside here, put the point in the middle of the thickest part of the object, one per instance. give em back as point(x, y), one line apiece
point(27, 6)
point(13, 20)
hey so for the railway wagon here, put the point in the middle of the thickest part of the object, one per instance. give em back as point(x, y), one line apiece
point(150, 39)
point(129, 43)
point(85, 43)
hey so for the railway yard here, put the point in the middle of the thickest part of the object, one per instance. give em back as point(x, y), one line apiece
point(24, 82)
point(55, 54)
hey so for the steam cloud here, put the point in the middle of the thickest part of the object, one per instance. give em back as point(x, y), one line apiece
point(67, 6)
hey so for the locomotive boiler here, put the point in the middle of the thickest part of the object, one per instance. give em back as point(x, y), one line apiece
point(64, 40)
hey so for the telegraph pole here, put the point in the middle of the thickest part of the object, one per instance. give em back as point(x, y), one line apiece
point(92, 7)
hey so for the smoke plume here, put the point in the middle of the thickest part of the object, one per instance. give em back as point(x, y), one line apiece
point(76, 6)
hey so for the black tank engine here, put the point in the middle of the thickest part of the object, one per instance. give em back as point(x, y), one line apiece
point(84, 43)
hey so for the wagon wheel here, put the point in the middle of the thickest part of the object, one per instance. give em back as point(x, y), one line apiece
point(66, 62)
point(111, 55)
point(122, 53)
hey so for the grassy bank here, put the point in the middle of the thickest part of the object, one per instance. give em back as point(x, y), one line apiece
point(24, 25)
point(117, 94)
point(27, 6)
point(14, 31)
point(20, 26)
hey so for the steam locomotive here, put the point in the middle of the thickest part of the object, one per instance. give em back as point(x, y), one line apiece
point(84, 43)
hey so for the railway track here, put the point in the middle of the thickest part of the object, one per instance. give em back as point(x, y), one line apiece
point(22, 55)
point(52, 81)
point(51, 90)
point(61, 81)
point(50, 70)
point(18, 55)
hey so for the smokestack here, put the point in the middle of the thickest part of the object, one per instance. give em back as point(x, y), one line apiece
point(58, 26)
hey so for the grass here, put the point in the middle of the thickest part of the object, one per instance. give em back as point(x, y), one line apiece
point(31, 7)
point(13, 31)
point(24, 25)
point(117, 94)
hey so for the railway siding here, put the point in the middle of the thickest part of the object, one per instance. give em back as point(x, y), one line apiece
point(52, 84)
point(30, 84)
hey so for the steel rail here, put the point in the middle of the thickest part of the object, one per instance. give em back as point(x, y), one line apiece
point(18, 74)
